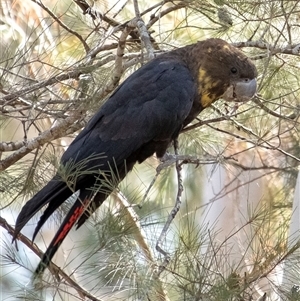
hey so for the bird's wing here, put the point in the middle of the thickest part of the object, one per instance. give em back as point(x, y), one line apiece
point(150, 105)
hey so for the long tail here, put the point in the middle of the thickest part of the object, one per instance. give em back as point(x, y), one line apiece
point(79, 209)
point(85, 205)
point(55, 193)
point(54, 190)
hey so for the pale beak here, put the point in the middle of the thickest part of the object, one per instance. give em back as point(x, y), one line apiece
point(241, 90)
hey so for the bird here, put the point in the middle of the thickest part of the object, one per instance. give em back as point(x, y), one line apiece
point(141, 118)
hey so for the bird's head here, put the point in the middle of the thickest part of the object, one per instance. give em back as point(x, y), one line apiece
point(225, 72)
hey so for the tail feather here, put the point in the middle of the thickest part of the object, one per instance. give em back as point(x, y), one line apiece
point(55, 202)
point(57, 199)
point(54, 189)
point(71, 218)
point(98, 199)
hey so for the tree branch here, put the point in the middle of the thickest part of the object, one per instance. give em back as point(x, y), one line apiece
point(290, 49)
point(57, 131)
point(56, 19)
point(54, 269)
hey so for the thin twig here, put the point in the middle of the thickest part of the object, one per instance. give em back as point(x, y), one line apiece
point(55, 132)
point(260, 140)
point(171, 216)
point(290, 49)
point(63, 25)
point(177, 6)
point(74, 73)
point(259, 102)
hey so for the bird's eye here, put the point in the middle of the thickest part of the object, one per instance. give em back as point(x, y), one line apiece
point(233, 70)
